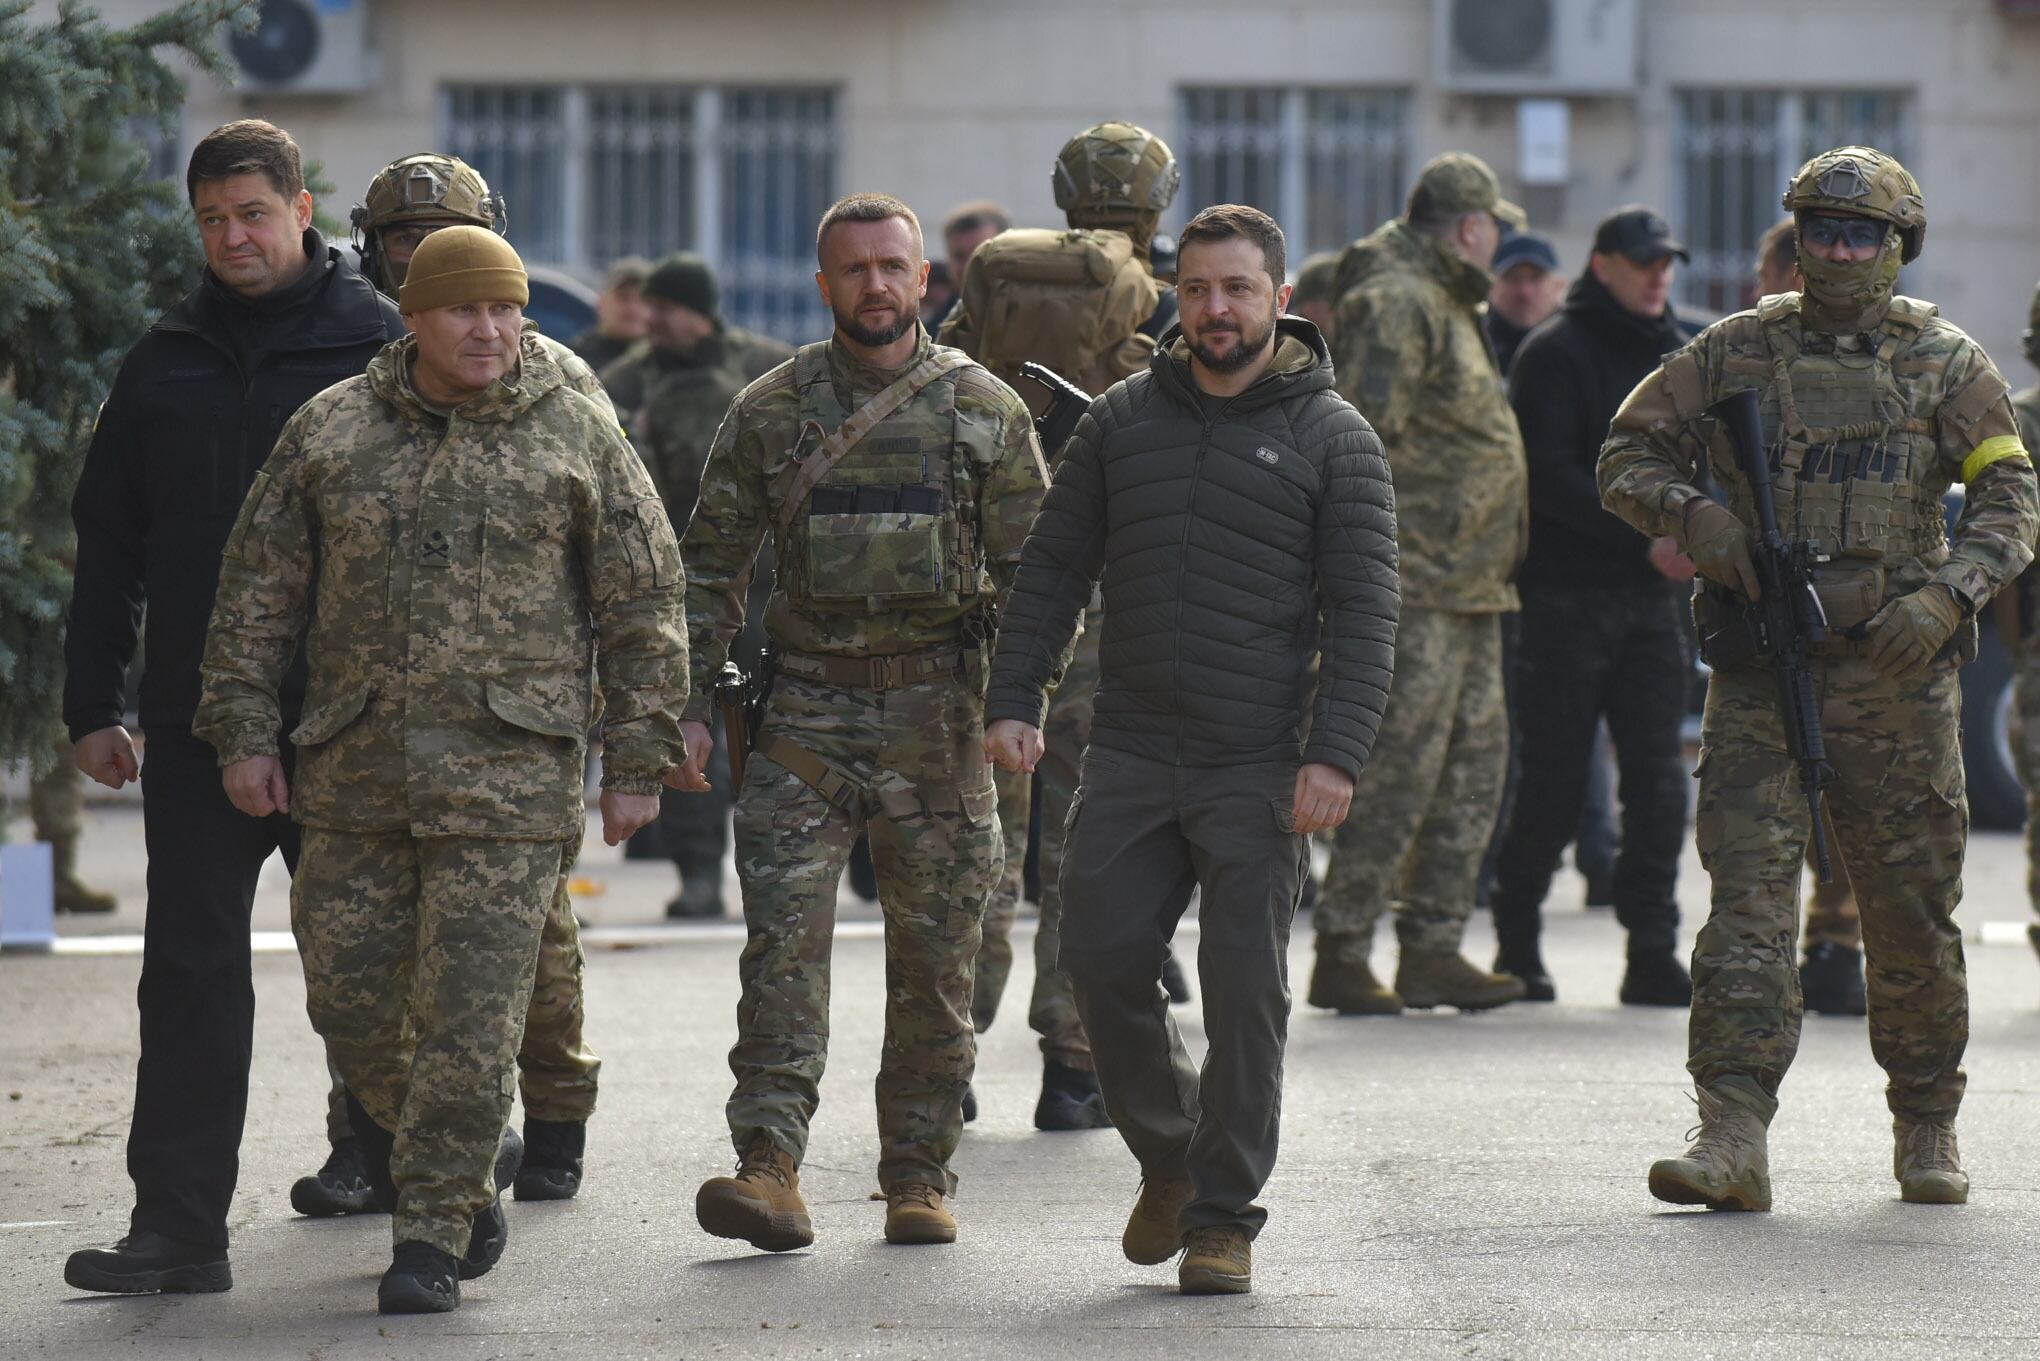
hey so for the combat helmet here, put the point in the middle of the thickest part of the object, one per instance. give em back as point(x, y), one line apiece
point(1116, 175)
point(1863, 182)
point(425, 187)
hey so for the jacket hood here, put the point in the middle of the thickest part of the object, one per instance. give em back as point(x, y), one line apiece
point(536, 374)
point(1395, 249)
point(1303, 364)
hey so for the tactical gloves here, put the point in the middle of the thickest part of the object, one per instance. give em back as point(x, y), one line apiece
point(1719, 546)
point(1908, 633)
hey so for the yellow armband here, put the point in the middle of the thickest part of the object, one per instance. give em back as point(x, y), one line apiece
point(1996, 449)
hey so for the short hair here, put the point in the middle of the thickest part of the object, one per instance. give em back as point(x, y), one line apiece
point(1230, 221)
point(1778, 247)
point(246, 146)
point(867, 208)
point(980, 213)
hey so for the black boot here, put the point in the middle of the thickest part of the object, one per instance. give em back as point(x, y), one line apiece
point(1831, 981)
point(489, 1231)
point(1173, 981)
point(422, 1279)
point(376, 1144)
point(863, 873)
point(1527, 963)
point(145, 1263)
point(339, 1188)
point(553, 1151)
point(969, 1103)
point(700, 896)
point(1070, 1099)
point(1656, 978)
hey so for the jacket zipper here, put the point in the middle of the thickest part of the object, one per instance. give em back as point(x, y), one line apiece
point(1183, 574)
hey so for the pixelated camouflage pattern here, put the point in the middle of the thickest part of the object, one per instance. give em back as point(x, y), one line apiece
point(1901, 821)
point(925, 797)
point(466, 574)
point(419, 954)
point(1874, 443)
point(1425, 806)
point(1411, 354)
point(966, 432)
point(575, 372)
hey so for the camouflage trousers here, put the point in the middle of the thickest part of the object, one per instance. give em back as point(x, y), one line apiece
point(557, 1071)
point(1901, 822)
point(907, 768)
point(1425, 806)
point(1052, 1010)
point(2026, 750)
point(419, 954)
point(995, 949)
point(56, 807)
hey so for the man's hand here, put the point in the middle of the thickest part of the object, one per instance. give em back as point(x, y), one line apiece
point(108, 756)
point(1719, 545)
point(1670, 563)
point(1324, 795)
point(1907, 634)
point(256, 786)
point(692, 776)
point(1013, 745)
point(623, 814)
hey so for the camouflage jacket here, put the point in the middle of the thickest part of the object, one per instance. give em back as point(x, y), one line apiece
point(1410, 352)
point(1866, 433)
point(684, 400)
point(745, 356)
point(2026, 406)
point(574, 371)
point(966, 433)
point(464, 576)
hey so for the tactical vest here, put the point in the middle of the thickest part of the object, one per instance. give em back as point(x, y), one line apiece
point(892, 525)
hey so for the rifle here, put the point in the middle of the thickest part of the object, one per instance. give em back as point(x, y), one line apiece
point(1788, 619)
point(741, 699)
point(1067, 404)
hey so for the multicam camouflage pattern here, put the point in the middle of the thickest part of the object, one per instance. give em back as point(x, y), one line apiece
point(673, 424)
point(1901, 820)
point(1425, 806)
point(419, 954)
point(1410, 353)
point(1052, 1011)
point(467, 575)
point(925, 797)
point(995, 949)
point(2026, 656)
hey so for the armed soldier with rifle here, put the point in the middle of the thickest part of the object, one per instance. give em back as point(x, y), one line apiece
point(1835, 613)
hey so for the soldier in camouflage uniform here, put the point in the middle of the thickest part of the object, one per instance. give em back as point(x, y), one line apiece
point(897, 480)
point(1049, 297)
point(466, 537)
point(2019, 625)
point(1409, 351)
point(1872, 406)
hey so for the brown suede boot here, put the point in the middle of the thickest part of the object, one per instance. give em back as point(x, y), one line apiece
point(1445, 978)
point(915, 1214)
point(1152, 1236)
point(1927, 1163)
point(1343, 980)
point(761, 1204)
point(1729, 1165)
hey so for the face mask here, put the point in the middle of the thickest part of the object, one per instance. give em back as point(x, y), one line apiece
point(1845, 293)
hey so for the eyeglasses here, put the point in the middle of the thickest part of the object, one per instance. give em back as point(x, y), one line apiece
point(1857, 233)
point(410, 236)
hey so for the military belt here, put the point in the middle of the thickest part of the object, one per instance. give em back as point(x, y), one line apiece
point(811, 770)
point(872, 673)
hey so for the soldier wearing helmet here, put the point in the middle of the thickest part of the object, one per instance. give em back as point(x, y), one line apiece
point(2019, 625)
point(1084, 302)
point(1872, 405)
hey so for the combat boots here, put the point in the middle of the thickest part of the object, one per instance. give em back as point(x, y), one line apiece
point(1152, 1235)
point(1343, 981)
point(553, 1150)
point(1446, 978)
point(69, 893)
point(1831, 981)
point(915, 1214)
point(1729, 1166)
point(1656, 978)
point(761, 1204)
point(422, 1279)
point(339, 1188)
point(1217, 1260)
point(1927, 1164)
point(1070, 1099)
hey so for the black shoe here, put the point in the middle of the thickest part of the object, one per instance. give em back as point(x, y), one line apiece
point(1173, 981)
point(489, 1231)
point(146, 1262)
point(1831, 981)
point(700, 899)
point(1537, 984)
point(1070, 1100)
point(339, 1188)
point(422, 1279)
point(969, 1104)
point(863, 874)
point(553, 1151)
point(1656, 978)
point(377, 1144)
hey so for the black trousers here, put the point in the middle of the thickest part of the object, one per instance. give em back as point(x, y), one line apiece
point(197, 993)
point(1590, 653)
point(1142, 835)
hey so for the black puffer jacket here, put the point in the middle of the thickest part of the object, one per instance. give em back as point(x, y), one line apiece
point(1225, 532)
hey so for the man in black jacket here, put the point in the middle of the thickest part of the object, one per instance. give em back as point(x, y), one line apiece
point(279, 316)
point(1602, 634)
point(1231, 501)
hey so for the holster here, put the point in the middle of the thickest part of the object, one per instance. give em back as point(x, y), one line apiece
point(1726, 627)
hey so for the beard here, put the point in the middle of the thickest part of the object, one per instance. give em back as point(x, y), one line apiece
point(872, 337)
point(1252, 345)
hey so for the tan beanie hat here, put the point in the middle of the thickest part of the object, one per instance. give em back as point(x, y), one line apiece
point(463, 264)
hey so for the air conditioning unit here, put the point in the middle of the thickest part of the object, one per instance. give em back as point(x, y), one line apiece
point(1536, 47)
point(305, 47)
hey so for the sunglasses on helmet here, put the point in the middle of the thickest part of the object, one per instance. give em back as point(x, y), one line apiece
point(1857, 233)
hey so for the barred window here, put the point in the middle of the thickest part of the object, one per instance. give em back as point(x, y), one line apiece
point(591, 173)
point(1328, 164)
point(1735, 151)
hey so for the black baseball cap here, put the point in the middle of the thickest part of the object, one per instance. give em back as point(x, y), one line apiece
point(1524, 248)
point(1639, 233)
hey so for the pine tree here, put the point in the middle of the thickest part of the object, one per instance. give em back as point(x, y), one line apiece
point(91, 250)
